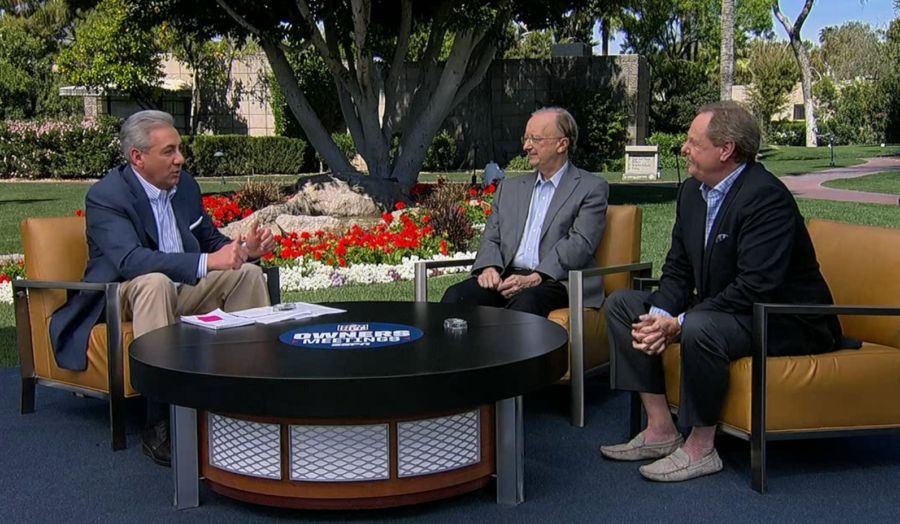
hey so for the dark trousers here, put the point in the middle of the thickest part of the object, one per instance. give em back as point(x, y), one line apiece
point(539, 300)
point(710, 341)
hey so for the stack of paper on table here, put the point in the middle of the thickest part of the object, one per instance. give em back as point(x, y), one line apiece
point(218, 319)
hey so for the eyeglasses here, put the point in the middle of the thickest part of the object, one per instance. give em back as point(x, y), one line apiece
point(533, 139)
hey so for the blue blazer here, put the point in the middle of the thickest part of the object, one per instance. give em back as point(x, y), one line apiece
point(123, 243)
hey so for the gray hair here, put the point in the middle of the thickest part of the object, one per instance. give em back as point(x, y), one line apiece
point(565, 122)
point(135, 133)
point(731, 122)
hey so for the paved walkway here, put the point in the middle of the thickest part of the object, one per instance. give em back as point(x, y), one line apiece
point(810, 186)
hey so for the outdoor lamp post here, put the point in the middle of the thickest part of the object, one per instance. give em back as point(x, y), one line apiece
point(218, 155)
point(676, 150)
point(830, 137)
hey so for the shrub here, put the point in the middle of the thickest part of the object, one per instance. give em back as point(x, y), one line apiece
point(603, 126)
point(257, 195)
point(67, 148)
point(441, 154)
point(243, 155)
point(519, 163)
point(666, 141)
point(787, 133)
point(447, 217)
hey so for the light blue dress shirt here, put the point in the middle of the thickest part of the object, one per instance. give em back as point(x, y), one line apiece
point(169, 236)
point(528, 254)
point(714, 197)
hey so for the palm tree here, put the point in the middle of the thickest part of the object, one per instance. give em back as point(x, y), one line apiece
point(727, 55)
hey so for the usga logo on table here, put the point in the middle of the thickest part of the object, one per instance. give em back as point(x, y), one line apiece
point(355, 335)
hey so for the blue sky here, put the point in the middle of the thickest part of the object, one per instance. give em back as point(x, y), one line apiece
point(824, 13)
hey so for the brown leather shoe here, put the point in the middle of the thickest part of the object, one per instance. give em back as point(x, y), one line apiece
point(637, 449)
point(155, 443)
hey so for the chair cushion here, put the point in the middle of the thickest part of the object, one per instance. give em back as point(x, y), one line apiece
point(838, 390)
point(95, 376)
point(596, 345)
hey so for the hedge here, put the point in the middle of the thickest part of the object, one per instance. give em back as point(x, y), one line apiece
point(666, 141)
point(243, 155)
point(61, 149)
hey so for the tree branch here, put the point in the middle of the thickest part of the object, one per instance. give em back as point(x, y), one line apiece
point(393, 79)
point(251, 28)
point(333, 62)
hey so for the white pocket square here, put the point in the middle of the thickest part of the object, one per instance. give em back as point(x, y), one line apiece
point(195, 224)
point(721, 238)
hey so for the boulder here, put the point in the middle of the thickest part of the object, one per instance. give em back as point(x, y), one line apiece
point(298, 224)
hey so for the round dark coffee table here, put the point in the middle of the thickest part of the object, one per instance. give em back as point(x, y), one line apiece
point(276, 424)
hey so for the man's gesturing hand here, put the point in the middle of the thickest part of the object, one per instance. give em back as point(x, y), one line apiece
point(653, 333)
point(259, 240)
point(230, 256)
point(489, 278)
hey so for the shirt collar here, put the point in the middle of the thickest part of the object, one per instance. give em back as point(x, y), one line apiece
point(725, 184)
point(555, 178)
point(153, 192)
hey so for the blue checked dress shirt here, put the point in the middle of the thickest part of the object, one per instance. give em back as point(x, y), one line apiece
point(528, 254)
point(169, 236)
point(714, 197)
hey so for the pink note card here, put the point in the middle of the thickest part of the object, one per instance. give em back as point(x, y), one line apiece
point(209, 318)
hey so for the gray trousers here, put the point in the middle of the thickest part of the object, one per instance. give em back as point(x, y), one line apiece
point(710, 341)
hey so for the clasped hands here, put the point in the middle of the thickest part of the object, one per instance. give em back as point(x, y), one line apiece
point(651, 334)
point(490, 279)
point(256, 243)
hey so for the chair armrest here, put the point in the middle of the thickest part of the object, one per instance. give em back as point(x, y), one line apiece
point(420, 286)
point(638, 267)
point(273, 284)
point(60, 284)
point(760, 347)
point(645, 284)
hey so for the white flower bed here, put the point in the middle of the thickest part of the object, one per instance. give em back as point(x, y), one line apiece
point(6, 293)
point(315, 275)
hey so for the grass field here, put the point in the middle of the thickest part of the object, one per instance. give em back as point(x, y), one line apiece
point(887, 183)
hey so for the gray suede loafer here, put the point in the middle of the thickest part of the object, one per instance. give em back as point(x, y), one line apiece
point(678, 466)
point(637, 449)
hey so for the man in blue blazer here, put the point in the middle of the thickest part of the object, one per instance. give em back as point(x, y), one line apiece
point(146, 228)
point(738, 239)
point(542, 225)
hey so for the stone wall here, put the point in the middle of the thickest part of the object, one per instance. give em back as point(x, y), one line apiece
point(490, 121)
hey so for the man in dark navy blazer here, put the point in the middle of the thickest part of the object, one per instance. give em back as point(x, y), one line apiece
point(146, 228)
point(738, 239)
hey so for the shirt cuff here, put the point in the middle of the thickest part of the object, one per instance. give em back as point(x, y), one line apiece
point(201, 266)
point(662, 312)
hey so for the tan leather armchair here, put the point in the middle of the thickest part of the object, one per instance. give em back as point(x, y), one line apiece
point(55, 257)
point(847, 392)
point(618, 256)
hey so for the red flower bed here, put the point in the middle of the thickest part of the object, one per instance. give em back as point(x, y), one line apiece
point(384, 243)
point(224, 210)
point(12, 271)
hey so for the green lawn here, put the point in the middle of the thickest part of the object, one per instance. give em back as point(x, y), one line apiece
point(887, 183)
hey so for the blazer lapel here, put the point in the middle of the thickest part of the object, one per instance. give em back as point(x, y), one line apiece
point(141, 204)
point(524, 189)
point(179, 209)
point(720, 219)
point(567, 184)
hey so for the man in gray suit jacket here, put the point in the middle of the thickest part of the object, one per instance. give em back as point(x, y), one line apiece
point(541, 226)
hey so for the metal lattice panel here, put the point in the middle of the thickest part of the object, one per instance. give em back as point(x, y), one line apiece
point(339, 453)
point(241, 446)
point(439, 444)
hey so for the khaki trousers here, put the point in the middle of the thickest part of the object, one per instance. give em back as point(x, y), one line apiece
point(153, 301)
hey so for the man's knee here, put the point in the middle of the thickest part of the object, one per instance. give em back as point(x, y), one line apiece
point(622, 305)
point(454, 294)
point(528, 303)
point(153, 284)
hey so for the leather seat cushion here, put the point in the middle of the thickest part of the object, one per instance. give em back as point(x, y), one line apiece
point(838, 390)
point(94, 377)
point(596, 345)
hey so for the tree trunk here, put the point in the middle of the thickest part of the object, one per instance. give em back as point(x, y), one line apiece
point(727, 54)
point(802, 57)
point(318, 136)
point(604, 35)
point(195, 100)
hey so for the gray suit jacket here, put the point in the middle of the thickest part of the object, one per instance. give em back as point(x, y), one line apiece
point(569, 237)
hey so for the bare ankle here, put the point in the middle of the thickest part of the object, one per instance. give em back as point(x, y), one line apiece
point(653, 435)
